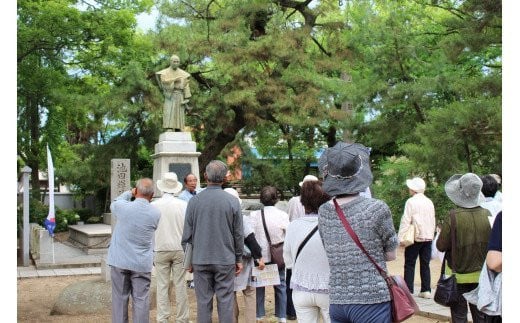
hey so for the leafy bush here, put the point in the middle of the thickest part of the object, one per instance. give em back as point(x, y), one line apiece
point(64, 218)
point(390, 185)
point(38, 212)
point(94, 219)
point(84, 214)
point(277, 173)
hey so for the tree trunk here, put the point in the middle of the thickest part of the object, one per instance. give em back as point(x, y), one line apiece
point(34, 146)
point(468, 157)
point(226, 135)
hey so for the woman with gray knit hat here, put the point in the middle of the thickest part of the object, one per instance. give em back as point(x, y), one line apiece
point(357, 292)
point(472, 231)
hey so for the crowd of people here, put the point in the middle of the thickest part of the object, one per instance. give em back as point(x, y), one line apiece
point(325, 275)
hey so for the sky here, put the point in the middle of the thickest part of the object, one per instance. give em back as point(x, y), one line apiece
point(146, 21)
point(511, 175)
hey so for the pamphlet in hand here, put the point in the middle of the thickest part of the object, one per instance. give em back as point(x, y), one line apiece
point(267, 277)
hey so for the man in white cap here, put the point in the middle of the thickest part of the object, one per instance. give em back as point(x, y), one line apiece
point(420, 213)
point(169, 255)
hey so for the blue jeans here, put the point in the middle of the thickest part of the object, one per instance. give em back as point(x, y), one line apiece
point(423, 250)
point(361, 313)
point(280, 298)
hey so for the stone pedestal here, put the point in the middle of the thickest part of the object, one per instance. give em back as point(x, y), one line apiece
point(91, 238)
point(175, 152)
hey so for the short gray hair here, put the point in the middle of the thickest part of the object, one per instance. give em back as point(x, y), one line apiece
point(216, 171)
point(145, 186)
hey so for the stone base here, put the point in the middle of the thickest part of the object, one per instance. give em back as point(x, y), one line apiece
point(175, 152)
point(91, 238)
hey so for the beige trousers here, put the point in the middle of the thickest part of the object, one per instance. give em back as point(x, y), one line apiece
point(249, 305)
point(169, 264)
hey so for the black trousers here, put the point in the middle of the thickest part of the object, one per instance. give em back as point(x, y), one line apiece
point(423, 250)
point(290, 305)
point(459, 311)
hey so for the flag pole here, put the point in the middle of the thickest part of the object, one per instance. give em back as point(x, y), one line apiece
point(50, 221)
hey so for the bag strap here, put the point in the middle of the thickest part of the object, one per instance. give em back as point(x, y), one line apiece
point(354, 237)
point(265, 228)
point(307, 238)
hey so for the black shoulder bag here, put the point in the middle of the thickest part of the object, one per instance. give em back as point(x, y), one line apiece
point(446, 293)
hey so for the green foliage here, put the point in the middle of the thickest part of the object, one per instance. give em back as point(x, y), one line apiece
point(94, 219)
point(84, 214)
point(426, 83)
point(462, 137)
point(38, 212)
point(64, 218)
point(80, 75)
point(390, 184)
point(262, 172)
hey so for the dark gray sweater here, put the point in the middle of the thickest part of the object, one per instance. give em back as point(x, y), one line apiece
point(353, 278)
point(213, 224)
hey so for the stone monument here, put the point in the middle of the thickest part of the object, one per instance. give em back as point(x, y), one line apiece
point(175, 151)
point(119, 183)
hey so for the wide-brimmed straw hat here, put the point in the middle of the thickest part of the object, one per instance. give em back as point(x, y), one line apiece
point(169, 183)
point(345, 169)
point(464, 190)
point(416, 184)
point(308, 178)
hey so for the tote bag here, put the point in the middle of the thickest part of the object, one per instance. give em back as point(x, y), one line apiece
point(409, 236)
point(277, 254)
point(276, 250)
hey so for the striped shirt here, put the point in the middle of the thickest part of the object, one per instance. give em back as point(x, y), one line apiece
point(131, 245)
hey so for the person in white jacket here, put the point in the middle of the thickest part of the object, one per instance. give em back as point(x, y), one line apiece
point(419, 212)
point(310, 266)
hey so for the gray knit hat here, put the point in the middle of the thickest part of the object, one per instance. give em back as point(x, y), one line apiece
point(464, 190)
point(345, 169)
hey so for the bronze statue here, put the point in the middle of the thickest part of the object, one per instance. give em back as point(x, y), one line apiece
point(175, 85)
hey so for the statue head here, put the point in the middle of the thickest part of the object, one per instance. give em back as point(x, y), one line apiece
point(174, 62)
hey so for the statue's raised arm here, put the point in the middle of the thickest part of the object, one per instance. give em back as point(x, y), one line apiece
point(175, 84)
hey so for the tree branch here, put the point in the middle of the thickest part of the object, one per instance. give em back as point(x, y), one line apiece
point(321, 47)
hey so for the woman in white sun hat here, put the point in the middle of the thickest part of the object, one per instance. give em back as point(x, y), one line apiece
point(419, 212)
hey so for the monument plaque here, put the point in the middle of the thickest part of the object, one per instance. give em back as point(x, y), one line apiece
point(119, 177)
point(181, 169)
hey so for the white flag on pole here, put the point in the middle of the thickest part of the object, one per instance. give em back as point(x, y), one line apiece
point(50, 222)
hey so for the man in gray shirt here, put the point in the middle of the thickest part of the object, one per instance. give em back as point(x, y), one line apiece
point(213, 225)
point(130, 254)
